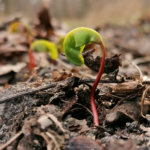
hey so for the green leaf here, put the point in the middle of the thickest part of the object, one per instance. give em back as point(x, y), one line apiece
point(45, 46)
point(13, 28)
point(75, 42)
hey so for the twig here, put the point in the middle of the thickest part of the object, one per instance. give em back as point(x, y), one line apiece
point(140, 73)
point(46, 139)
point(53, 139)
point(123, 99)
point(31, 76)
point(51, 85)
point(8, 98)
point(85, 108)
point(101, 81)
point(111, 95)
point(54, 119)
point(112, 78)
point(146, 82)
point(11, 140)
point(142, 101)
point(141, 60)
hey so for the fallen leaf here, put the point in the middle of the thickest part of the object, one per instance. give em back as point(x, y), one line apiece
point(128, 111)
point(57, 76)
point(9, 48)
point(8, 68)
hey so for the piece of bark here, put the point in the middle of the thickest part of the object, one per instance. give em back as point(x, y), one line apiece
point(111, 64)
point(128, 88)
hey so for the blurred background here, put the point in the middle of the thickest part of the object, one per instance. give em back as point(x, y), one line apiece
point(80, 12)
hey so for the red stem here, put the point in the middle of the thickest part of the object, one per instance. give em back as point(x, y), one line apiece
point(31, 59)
point(93, 106)
point(52, 61)
point(31, 56)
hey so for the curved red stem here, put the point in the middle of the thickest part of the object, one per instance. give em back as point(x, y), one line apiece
point(93, 106)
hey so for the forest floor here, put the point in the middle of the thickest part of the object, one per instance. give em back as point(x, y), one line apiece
point(49, 108)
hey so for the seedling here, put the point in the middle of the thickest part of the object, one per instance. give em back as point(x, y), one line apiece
point(74, 44)
point(44, 46)
point(20, 27)
point(39, 45)
point(25, 29)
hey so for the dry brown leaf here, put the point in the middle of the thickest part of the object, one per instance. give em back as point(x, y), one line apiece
point(57, 76)
point(8, 68)
point(9, 48)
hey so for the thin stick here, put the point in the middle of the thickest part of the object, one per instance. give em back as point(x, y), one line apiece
point(11, 140)
point(53, 139)
point(46, 139)
point(85, 108)
point(142, 101)
point(140, 73)
point(79, 105)
point(8, 98)
point(54, 119)
point(123, 99)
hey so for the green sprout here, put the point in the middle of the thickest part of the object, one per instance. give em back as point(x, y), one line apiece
point(26, 30)
point(20, 27)
point(45, 46)
point(74, 44)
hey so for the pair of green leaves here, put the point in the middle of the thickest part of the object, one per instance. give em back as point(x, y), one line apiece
point(49, 47)
point(75, 42)
point(45, 46)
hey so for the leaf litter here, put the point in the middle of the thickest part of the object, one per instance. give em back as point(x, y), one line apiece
point(51, 110)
